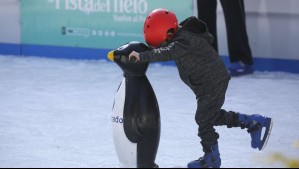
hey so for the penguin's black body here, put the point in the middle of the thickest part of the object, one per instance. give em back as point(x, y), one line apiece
point(136, 115)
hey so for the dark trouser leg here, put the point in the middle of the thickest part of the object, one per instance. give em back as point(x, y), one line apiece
point(207, 113)
point(224, 118)
point(207, 13)
point(235, 19)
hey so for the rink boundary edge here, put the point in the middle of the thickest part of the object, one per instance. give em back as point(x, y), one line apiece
point(260, 63)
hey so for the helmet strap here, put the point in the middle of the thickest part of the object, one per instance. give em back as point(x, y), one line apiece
point(169, 36)
point(170, 33)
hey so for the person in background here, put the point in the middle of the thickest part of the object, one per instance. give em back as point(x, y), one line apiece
point(240, 56)
point(201, 68)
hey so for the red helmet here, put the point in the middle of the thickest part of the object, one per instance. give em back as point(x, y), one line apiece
point(157, 25)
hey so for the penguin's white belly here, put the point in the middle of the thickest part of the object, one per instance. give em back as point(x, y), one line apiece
point(126, 150)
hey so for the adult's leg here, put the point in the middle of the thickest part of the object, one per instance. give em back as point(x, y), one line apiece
point(238, 43)
point(207, 13)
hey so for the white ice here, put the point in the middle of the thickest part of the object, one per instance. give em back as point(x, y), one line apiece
point(56, 113)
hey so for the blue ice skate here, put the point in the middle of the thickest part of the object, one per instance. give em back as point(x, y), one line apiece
point(209, 160)
point(255, 123)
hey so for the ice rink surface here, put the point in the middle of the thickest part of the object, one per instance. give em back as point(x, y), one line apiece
point(57, 113)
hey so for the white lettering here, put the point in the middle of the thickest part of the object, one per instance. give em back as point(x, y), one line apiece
point(102, 7)
point(57, 4)
point(137, 7)
point(86, 6)
point(122, 18)
point(142, 6)
point(130, 6)
point(71, 5)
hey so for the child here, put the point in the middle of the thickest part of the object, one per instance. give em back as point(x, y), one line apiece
point(201, 68)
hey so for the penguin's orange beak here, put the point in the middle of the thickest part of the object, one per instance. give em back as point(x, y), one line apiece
point(111, 56)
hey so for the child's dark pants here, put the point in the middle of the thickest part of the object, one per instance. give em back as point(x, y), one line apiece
point(210, 114)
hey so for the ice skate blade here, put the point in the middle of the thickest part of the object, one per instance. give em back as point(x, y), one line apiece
point(269, 125)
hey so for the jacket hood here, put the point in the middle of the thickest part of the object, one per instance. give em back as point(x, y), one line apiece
point(194, 25)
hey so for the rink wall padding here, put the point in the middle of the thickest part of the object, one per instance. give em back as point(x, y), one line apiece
point(10, 49)
point(64, 52)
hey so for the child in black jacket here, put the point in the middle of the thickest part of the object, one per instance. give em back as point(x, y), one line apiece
point(201, 68)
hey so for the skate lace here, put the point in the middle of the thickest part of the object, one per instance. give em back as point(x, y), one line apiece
point(256, 126)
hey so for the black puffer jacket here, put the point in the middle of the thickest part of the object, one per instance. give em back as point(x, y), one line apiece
point(198, 63)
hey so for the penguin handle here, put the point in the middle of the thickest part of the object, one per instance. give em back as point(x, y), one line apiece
point(123, 58)
point(132, 59)
point(115, 57)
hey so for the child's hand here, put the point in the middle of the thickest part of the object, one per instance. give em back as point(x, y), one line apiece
point(134, 56)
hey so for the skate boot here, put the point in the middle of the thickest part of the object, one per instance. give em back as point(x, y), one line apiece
point(239, 69)
point(254, 124)
point(209, 160)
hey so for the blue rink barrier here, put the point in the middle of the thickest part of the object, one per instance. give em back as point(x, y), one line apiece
point(270, 64)
point(260, 64)
point(10, 49)
point(64, 52)
point(53, 51)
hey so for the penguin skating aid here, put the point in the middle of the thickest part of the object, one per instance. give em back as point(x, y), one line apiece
point(136, 116)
